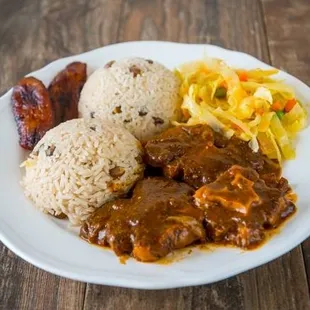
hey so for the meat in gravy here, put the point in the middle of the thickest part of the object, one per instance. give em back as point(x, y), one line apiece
point(239, 197)
point(239, 207)
point(197, 155)
point(159, 218)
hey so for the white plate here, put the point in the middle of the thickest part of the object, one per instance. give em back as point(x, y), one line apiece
point(49, 244)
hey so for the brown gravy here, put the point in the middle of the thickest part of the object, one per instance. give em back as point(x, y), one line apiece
point(197, 155)
point(158, 218)
point(240, 198)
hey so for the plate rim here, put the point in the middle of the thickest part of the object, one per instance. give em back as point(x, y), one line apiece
point(34, 257)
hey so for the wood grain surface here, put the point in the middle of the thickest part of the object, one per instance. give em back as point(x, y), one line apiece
point(35, 32)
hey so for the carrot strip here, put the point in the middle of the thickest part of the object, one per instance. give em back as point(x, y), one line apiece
point(276, 106)
point(289, 105)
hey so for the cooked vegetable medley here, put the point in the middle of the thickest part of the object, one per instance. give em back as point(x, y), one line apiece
point(250, 104)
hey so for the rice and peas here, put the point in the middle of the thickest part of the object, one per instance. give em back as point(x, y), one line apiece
point(83, 163)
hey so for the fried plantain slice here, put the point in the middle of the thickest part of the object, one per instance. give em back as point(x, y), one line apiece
point(32, 110)
point(65, 90)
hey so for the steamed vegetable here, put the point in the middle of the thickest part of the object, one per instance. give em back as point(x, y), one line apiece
point(250, 104)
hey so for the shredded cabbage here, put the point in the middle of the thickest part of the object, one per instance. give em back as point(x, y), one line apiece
point(247, 103)
point(263, 93)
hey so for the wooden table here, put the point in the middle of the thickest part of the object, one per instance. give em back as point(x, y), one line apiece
point(35, 32)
